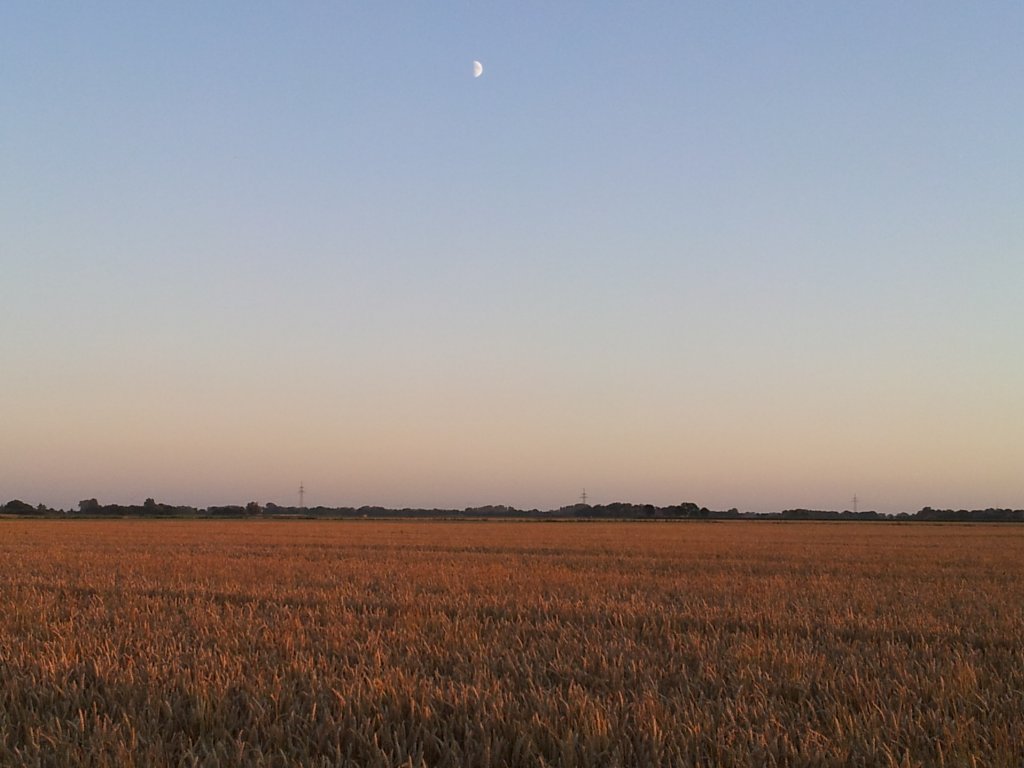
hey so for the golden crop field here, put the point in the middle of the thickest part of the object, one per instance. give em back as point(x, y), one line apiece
point(195, 643)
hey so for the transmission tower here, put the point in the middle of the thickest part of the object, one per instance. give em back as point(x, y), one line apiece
point(583, 497)
point(302, 496)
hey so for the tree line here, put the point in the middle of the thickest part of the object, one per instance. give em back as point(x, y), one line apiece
point(91, 508)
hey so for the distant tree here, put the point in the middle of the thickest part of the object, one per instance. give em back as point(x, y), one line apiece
point(685, 509)
point(89, 507)
point(253, 508)
point(18, 507)
point(149, 507)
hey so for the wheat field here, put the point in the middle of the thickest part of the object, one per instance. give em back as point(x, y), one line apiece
point(363, 643)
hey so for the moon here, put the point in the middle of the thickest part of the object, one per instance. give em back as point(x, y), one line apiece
point(478, 69)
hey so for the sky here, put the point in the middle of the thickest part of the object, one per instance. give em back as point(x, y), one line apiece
point(752, 255)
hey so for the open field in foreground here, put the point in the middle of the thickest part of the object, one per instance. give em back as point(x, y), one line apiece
point(473, 644)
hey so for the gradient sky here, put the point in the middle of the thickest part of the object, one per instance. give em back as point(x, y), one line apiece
point(744, 254)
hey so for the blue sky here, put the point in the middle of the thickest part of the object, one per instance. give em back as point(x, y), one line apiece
point(750, 255)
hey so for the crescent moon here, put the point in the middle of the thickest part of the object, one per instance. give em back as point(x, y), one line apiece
point(478, 69)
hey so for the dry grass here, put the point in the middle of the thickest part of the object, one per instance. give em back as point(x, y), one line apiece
point(472, 644)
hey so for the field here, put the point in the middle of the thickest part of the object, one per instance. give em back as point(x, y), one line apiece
point(153, 643)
